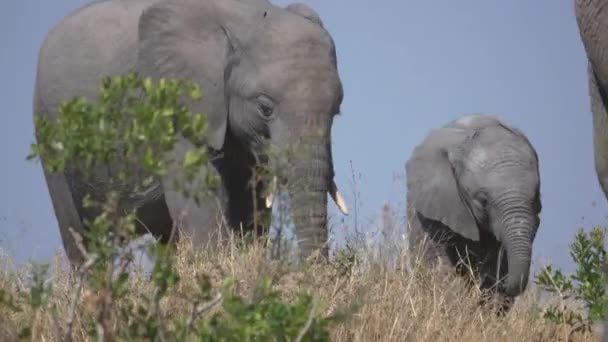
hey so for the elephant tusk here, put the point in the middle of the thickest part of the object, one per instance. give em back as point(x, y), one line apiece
point(270, 196)
point(338, 199)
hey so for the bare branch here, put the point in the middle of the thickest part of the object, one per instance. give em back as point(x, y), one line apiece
point(311, 316)
point(199, 309)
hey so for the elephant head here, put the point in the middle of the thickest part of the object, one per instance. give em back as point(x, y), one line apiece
point(592, 21)
point(480, 177)
point(271, 83)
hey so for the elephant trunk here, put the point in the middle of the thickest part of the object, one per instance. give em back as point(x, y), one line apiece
point(517, 239)
point(310, 179)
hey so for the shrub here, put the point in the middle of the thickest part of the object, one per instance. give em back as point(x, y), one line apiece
point(587, 284)
point(137, 120)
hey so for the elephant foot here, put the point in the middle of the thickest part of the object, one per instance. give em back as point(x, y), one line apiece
point(499, 304)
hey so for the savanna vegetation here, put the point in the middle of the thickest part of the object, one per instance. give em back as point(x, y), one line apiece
point(246, 288)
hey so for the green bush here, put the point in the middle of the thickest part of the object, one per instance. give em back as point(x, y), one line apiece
point(588, 284)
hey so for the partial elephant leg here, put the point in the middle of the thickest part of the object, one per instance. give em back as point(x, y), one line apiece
point(452, 253)
point(202, 222)
point(66, 213)
point(494, 268)
point(427, 243)
point(246, 205)
point(433, 247)
point(246, 208)
point(154, 218)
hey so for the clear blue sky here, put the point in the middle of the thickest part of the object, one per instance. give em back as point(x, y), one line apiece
point(407, 67)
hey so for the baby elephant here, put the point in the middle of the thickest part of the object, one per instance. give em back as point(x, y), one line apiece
point(474, 196)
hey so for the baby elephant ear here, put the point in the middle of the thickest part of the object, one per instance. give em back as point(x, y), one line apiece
point(306, 12)
point(433, 189)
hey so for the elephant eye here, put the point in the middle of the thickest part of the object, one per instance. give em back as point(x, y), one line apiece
point(265, 105)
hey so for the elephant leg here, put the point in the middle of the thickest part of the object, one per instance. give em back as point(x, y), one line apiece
point(66, 213)
point(154, 218)
point(429, 243)
point(494, 266)
point(247, 211)
point(202, 221)
point(499, 302)
point(494, 269)
point(246, 207)
point(437, 257)
point(236, 206)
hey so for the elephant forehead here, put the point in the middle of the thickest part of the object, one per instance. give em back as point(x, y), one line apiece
point(282, 29)
point(277, 45)
point(477, 120)
point(501, 155)
point(295, 79)
point(292, 68)
point(479, 157)
point(506, 145)
point(467, 120)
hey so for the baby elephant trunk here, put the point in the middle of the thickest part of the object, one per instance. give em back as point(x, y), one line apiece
point(517, 238)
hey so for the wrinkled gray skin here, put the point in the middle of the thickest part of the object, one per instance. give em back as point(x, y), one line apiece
point(270, 79)
point(475, 183)
point(592, 20)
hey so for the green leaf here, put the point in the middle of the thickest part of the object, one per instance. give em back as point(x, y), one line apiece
point(26, 332)
point(195, 92)
point(193, 158)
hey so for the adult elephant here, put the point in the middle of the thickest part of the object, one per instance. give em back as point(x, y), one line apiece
point(592, 21)
point(474, 191)
point(271, 81)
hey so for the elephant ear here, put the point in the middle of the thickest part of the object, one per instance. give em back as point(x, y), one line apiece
point(187, 40)
point(433, 189)
point(305, 11)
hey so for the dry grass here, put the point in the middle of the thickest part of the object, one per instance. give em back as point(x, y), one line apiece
point(395, 306)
